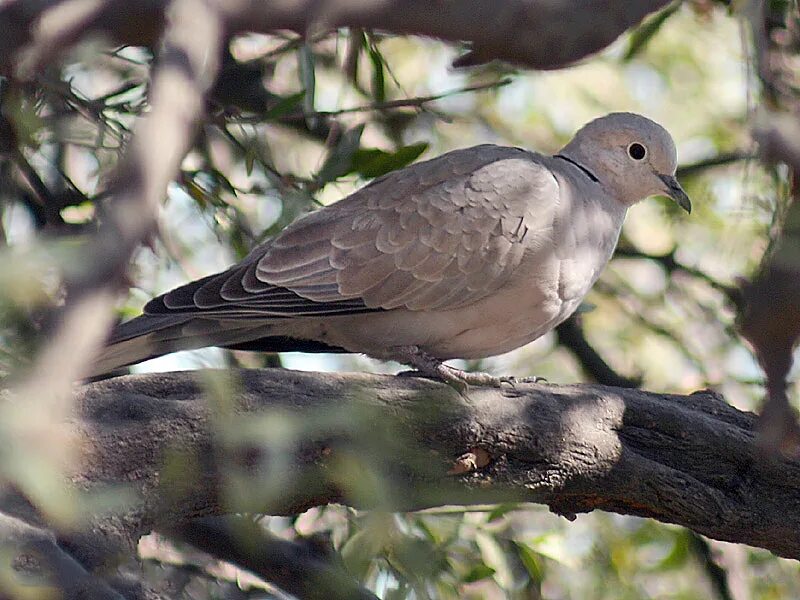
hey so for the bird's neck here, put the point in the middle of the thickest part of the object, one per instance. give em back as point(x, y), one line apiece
point(584, 169)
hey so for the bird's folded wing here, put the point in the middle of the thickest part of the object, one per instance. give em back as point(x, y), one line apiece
point(438, 235)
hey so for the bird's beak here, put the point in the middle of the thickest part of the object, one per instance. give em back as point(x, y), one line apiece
point(675, 191)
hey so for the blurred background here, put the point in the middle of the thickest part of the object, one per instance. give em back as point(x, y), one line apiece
point(294, 124)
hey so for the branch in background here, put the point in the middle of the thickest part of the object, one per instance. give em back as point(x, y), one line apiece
point(416, 102)
point(769, 316)
point(570, 335)
point(670, 264)
point(35, 200)
point(778, 140)
point(186, 69)
point(185, 72)
point(41, 203)
point(716, 573)
point(724, 159)
point(39, 563)
point(299, 569)
point(544, 34)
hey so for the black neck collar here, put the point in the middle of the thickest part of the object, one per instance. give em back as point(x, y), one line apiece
point(586, 171)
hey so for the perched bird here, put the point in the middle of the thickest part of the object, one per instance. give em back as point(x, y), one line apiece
point(467, 255)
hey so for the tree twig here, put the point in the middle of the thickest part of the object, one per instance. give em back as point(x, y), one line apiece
point(719, 160)
point(294, 567)
point(40, 563)
point(416, 102)
point(570, 335)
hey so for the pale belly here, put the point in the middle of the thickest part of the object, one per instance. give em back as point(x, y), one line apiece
point(506, 320)
point(546, 288)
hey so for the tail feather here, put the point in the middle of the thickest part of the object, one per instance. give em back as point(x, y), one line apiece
point(143, 325)
point(150, 336)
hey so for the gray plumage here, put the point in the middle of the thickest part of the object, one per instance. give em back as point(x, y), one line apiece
point(467, 255)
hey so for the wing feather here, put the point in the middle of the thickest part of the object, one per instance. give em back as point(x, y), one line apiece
point(437, 235)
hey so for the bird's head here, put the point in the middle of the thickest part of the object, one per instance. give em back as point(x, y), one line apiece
point(632, 156)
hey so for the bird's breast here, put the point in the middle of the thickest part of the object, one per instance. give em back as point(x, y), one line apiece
point(549, 284)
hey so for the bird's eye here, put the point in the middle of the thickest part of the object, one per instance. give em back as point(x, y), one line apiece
point(636, 151)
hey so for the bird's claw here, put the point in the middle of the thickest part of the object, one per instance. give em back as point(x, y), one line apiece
point(513, 381)
point(447, 375)
point(456, 378)
point(463, 379)
point(416, 373)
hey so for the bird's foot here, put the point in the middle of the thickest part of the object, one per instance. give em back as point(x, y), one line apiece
point(461, 380)
point(512, 381)
point(429, 366)
point(417, 373)
point(455, 378)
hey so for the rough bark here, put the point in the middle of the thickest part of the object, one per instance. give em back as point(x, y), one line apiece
point(38, 556)
point(543, 34)
point(284, 441)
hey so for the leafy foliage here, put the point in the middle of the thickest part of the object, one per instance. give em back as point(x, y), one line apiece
point(295, 123)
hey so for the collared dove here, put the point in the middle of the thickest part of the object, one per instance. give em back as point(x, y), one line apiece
point(467, 255)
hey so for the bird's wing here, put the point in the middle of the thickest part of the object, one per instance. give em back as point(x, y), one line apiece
point(438, 235)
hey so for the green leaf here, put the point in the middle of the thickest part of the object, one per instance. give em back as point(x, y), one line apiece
point(678, 555)
point(305, 60)
point(360, 550)
point(478, 572)
point(340, 159)
point(493, 555)
point(500, 510)
point(530, 561)
point(378, 77)
point(645, 32)
point(415, 558)
point(426, 530)
point(551, 545)
point(286, 105)
point(372, 162)
point(222, 182)
point(197, 193)
point(250, 157)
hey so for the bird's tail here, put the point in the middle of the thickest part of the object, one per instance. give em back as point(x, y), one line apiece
point(150, 336)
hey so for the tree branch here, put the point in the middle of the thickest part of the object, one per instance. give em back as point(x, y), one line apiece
point(570, 335)
point(299, 569)
point(39, 563)
point(543, 34)
point(290, 440)
point(187, 69)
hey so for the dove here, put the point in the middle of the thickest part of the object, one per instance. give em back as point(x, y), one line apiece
point(468, 255)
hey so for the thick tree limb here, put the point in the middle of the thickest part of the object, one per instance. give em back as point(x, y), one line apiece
point(544, 34)
point(39, 564)
point(292, 440)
